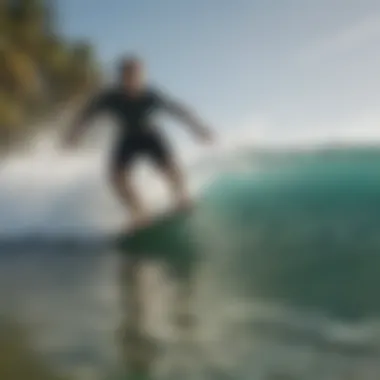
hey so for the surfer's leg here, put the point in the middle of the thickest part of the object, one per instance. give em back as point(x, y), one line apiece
point(177, 181)
point(162, 156)
point(123, 187)
point(121, 181)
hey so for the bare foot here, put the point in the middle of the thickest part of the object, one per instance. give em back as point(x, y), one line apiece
point(185, 203)
point(139, 221)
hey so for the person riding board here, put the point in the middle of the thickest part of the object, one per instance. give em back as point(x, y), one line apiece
point(133, 103)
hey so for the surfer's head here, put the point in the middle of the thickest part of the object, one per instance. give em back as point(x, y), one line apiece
point(132, 73)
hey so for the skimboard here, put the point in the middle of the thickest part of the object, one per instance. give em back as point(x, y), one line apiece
point(161, 219)
point(166, 231)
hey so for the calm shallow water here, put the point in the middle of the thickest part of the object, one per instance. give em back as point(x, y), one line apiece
point(286, 281)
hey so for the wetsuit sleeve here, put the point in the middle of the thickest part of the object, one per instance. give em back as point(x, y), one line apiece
point(181, 112)
point(168, 104)
point(97, 104)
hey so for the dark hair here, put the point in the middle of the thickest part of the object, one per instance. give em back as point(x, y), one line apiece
point(128, 63)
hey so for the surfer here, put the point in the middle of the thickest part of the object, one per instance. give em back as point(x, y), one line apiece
point(133, 103)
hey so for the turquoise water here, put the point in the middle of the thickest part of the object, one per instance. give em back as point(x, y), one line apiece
point(284, 256)
point(307, 231)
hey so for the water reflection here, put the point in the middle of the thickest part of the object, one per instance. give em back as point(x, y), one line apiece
point(95, 312)
point(145, 281)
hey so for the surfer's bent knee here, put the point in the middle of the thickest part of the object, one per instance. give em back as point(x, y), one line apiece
point(117, 176)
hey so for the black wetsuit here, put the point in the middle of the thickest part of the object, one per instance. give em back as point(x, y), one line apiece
point(138, 135)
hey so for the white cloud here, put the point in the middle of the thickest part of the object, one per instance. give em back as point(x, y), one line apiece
point(344, 41)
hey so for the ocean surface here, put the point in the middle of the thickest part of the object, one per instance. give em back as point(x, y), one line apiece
point(283, 260)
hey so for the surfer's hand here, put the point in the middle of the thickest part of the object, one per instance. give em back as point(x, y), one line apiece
point(206, 136)
point(70, 140)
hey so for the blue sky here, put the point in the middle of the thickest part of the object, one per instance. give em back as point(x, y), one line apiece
point(284, 67)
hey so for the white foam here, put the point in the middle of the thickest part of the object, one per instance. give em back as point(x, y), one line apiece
point(45, 190)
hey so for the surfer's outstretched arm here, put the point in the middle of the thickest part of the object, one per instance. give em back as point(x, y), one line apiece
point(84, 118)
point(188, 117)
